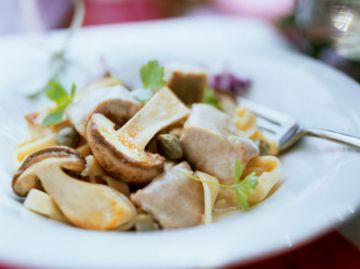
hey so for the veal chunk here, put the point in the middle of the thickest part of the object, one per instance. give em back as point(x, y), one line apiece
point(212, 143)
point(173, 199)
point(186, 81)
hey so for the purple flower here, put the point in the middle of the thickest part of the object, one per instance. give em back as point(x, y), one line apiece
point(228, 82)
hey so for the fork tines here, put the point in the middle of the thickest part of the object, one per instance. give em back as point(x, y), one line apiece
point(268, 120)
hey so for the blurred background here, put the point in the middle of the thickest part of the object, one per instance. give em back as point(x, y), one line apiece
point(326, 29)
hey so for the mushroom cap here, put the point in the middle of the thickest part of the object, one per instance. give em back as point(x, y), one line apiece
point(119, 158)
point(85, 205)
point(114, 102)
point(122, 153)
point(24, 179)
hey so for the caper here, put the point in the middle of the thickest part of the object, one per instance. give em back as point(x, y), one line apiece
point(264, 147)
point(170, 146)
point(68, 137)
point(144, 222)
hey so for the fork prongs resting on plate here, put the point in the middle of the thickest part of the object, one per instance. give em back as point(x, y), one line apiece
point(272, 122)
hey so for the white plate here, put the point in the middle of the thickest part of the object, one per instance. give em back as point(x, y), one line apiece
point(321, 179)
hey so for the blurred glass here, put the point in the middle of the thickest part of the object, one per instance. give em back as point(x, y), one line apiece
point(330, 31)
point(335, 23)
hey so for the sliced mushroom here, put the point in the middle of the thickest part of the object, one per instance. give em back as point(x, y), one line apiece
point(84, 150)
point(122, 153)
point(95, 173)
point(114, 102)
point(86, 205)
point(23, 181)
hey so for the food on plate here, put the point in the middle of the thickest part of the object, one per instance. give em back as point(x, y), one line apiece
point(28, 147)
point(42, 203)
point(86, 205)
point(145, 222)
point(158, 198)
point(218, 139)
point(245, 120)
point(167, 154)
point(170, 146)
point(68, 137)
point(187, 82)
point(114, 102)
point(122, 152)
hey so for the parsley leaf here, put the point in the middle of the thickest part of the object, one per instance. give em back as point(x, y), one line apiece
point(243, 188)
point(53, 117)
point(239, 169)
point(59, 61)
point(152, 75)
point(211, 99)
point(241, 199)
point(57, 93)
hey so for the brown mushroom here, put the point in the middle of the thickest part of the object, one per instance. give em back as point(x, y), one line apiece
point(122, 153)
point(95, 173)
point(86, 205)
point(114, 102)
point(23, 182)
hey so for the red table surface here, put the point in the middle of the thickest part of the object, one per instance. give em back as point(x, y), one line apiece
point(332, 251)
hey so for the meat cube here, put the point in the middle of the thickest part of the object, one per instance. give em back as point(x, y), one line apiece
point(174, 199)
point(211, 143)
point(187, 82)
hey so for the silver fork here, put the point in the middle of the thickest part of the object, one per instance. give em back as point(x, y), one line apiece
point(287, 131)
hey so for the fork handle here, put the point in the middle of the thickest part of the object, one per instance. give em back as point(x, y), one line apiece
point(334, 136)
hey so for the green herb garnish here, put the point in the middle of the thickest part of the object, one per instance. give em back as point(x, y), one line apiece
point(57, 93)
point(243, 188)
point(211, 99)
point(58, 60)
point(152, 75)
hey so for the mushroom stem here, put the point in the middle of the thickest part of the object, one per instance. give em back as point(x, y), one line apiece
point(98, 204)
point(162, 110)
point(86, 205)
point(122, 153)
